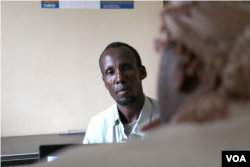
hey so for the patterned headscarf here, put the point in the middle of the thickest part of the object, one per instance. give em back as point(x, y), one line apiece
point(219, 34)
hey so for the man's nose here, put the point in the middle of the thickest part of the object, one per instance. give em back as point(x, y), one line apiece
point(119, 78)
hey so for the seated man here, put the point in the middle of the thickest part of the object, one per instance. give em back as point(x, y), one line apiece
point(122, 72)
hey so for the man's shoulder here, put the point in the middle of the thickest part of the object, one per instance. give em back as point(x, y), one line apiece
point(153, 102)
point(106, 115)
point(100, 127)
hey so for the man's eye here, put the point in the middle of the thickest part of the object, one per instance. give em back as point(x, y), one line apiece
point(127, 67)
point(110, 72)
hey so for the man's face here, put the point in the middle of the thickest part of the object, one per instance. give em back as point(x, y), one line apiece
point(121, 75)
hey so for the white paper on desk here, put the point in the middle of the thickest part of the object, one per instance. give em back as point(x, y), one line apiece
point(79, 4)
point(64, 4)
point(92, 4)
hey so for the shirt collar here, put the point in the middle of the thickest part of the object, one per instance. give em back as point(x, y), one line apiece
point(116, 116)
point(144, 117)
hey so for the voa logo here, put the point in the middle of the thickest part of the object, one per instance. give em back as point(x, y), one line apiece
point(236, 158)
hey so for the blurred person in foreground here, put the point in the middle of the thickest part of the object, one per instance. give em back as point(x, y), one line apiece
point(204, 92)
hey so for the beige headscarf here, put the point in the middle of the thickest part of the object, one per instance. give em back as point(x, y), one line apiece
point(219, 34)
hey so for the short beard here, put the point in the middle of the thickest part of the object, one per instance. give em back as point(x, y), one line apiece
point(127, 101)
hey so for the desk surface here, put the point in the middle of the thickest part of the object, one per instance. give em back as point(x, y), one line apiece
point(27, 147)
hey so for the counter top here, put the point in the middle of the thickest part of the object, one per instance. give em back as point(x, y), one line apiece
point(20, 148)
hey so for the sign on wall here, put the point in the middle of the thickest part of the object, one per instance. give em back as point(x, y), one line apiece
point(88, 4)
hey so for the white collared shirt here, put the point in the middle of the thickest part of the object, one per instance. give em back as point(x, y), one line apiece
point(107, 127)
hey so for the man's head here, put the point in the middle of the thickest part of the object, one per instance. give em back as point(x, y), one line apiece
point(122, 72)
point(120, 44)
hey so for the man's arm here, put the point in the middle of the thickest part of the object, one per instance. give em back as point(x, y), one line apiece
point(100, 130)
point(88, 135)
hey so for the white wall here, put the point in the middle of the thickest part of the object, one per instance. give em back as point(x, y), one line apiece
point(51, 81)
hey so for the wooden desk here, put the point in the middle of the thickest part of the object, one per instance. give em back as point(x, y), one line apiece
point(24, 150)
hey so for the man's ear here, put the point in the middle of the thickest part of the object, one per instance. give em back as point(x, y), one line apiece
point(142, 72)
point(103, 78)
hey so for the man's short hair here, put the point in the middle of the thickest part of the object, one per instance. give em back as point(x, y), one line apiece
point(120, 44)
